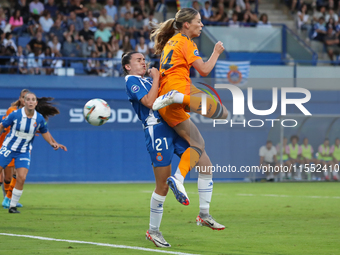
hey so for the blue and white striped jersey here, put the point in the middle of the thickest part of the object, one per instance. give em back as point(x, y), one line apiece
point(136, 88)
point(23, 130)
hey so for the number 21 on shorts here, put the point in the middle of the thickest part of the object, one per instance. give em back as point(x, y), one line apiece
point(159, 142)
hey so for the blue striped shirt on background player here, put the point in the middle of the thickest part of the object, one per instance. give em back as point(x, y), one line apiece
point(23, 129)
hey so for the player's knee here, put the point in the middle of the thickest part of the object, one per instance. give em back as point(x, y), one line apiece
point(21, 178)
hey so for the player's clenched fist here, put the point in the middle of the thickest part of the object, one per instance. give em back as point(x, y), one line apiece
point(219, 47)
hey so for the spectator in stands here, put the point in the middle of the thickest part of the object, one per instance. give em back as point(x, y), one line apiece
point(138, 27)
point(70, 49)
point(20, 61)
point(9, 43)
point(141, 8)
point(126, 8)
point(264, 20)
point(36, 8)
point(57, 31)
point(24, 9)
point(150, 19)
point(47, 61)
point(46, 21)
point(92, 65)
point(86, 33)
point(36, 44)
point(88, 47)
point(318, 14)
point(72, 33)
point(154, 57)
point(94, 7)
point(111, 10)
point(319, 30)
point(106, 19)
point(64, 7)
point(52, 8)
point(54, 45)
point(251, 13)
point(196, 6)
point(17, 23)
point(331, 14)
point(268, 160)
point(332, 43)
point(113, 45)
point(57, 63)
point(331, 23)
point(76, 21)
point(92, 21)
point(246, 21)
point(79, 9)
point(2, 19)
point(126, 23)
point(325, 157)
point(221, 15)
point(126, 45)
point(108, 65)
point(101, 48)
point(206, 12)
point(234, 20)
point(141, 47)
point(34, 61)
point(103, 33)
point(303, 19)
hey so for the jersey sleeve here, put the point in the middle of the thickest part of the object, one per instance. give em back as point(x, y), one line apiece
point(43, 127)
point(8, 121)
point(135, 88)
point(190, 52)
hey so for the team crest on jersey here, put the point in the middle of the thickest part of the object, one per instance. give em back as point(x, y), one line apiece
point(35, 124)
point(159, 156)
point(196, 53)
point(135, 88)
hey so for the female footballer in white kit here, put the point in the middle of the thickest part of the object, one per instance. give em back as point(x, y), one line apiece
point(24, 123)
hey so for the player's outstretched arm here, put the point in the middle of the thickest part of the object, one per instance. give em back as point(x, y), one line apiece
point(61, 146)
point(204, 68)
point(47, 136)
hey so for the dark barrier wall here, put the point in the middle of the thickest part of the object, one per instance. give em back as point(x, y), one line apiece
point(116, 151)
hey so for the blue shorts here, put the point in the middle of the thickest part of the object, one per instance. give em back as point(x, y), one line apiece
point(21, 159)
point(162, 142)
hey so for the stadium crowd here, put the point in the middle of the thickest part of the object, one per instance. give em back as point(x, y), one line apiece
point(36, 33)
point(320, 21)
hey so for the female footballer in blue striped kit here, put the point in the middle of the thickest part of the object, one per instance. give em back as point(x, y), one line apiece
point(24, 123)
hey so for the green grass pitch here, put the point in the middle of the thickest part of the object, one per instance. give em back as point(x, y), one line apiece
point(260, 218)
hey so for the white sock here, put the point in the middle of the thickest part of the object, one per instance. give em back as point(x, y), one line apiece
point(335, 174)
point(298, 171)
point(156, 211)
point(325, 173)
point(178, 98)
point(205, 189)
point(16, 194)
point(178, 175)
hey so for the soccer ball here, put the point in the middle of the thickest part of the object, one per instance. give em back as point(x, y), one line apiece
point(97, 112)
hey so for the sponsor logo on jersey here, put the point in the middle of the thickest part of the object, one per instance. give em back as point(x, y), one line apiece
point(196, 53)
point(135, 88)
point(35, 124)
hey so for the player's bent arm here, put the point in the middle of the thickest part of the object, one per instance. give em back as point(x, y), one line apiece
point(47, 136)
point(150, 98)
point(204, 68)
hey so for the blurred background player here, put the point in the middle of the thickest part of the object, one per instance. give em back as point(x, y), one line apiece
point(306, 156)
point(293, 151)
point(325, 158)
point(268, 160)
point(24, 123)
point(162, 141)
point(9, 171)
